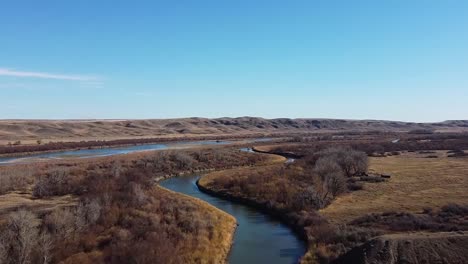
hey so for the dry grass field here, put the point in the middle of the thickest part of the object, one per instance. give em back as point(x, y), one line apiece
point(417, 182)
point(216, 248)
point(14, 200)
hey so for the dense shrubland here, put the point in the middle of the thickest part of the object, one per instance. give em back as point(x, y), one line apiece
point(120, 215)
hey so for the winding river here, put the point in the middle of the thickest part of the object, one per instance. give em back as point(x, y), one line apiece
point(258, 238)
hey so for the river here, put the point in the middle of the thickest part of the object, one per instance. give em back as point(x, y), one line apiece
point(109, 151)
point(259, 238)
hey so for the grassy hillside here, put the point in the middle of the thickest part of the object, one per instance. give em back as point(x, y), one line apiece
point(67, 130)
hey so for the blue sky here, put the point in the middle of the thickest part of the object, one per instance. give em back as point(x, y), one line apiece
point(398, 60)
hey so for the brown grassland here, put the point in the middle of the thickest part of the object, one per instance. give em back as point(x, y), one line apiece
point(417, 182)
point(30, 131)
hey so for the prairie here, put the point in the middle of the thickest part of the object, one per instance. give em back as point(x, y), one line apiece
point(416, 183)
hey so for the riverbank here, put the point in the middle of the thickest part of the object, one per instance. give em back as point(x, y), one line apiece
point(213, 247)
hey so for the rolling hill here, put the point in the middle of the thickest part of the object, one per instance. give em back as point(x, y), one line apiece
point(46, 130)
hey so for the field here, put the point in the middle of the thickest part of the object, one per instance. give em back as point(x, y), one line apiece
point(417, 182)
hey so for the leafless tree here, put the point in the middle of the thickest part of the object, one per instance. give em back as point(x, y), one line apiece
point(360, 162)
point(87, 213)
point(61, 222)
point(14, 179)
point(325, 166)
point(3, 250)
point(93, 211)
point(351, 162)
point(183, 160)
point(45, 246)
point(139, 194)
point(23, 235)
point(116, 169)
point(330, 177)
point(336, 183)
point(55, 182)
point(80, 218)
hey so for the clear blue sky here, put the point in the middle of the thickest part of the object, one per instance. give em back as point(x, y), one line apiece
point(398, 60)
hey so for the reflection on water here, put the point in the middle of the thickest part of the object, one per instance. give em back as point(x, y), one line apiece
point(258, 239)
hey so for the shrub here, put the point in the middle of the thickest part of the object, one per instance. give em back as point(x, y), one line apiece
point(355, 186)
point(352, 162)
point(455, 209)
point(56, 182)
point(14, 179)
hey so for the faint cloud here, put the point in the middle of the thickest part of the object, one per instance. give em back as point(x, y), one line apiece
point(44, 75)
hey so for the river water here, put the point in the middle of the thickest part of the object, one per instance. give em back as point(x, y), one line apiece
point(109, 151)
point(106, 151)
point(258, 239)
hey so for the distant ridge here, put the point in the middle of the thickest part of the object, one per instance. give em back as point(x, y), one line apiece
point(11, 130)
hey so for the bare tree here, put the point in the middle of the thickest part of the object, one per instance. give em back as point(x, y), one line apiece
point(61, 222)
point(360, 162)
point(325, 166)
point(23, 235)
point(87, 213)
point(330, 180)
point(45, 246)
point(311, 198)
point(183, 160)
point(116, 169)
point(93, 211)
point(3, 250)
point(54, 183)
point(138, 194)
point(336, 183)
point(14, 179)
point(351, 162)
point(80, 218)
